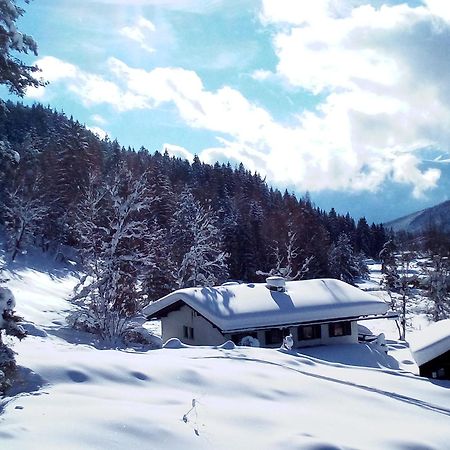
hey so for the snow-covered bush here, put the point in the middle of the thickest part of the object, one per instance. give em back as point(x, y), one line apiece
point(81, 321)
point(288, 342)
point(139, 335)
point(9, 325)
point(174, 343)
point(249, 341)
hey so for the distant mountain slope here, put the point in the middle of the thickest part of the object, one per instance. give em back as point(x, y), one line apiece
point(437, 217)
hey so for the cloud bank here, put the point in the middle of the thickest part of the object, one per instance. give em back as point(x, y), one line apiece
point(379, 72)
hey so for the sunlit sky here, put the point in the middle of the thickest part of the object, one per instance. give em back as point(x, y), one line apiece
point(341, 96)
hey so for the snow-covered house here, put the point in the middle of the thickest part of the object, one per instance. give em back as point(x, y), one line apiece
point(430, 348)
point(321, 311)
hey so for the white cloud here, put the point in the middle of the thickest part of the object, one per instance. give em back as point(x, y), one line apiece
point(439, 8)
point(141, 32)
point(37, 93)
point(380, 71)
point(261, 74)
point(90, 88)
point(98, 131)
point(178, 152)
point(99, 119)
point(381, 74)
point(54, 69)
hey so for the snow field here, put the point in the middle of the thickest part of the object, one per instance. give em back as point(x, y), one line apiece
point(80, 397)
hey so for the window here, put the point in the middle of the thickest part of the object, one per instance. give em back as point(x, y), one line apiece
point(188, 332)
point(276, 335)
point(337, 329)
point(307, 332)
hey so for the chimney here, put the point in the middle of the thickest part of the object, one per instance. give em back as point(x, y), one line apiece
point(277, 284)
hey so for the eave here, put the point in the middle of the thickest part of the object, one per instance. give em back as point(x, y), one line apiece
point(163, 312)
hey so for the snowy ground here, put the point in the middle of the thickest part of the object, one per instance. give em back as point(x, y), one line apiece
point(417, 303)
point(76, 396)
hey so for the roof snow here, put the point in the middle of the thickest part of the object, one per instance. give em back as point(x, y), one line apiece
point(249, 306)
point(430, 342)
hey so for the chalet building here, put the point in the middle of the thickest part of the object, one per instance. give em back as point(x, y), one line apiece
point(314, 312)
point(430, 348)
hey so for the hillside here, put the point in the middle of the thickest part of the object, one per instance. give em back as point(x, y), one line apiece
point(77, 396)
point(437, 217)
point(66, 184)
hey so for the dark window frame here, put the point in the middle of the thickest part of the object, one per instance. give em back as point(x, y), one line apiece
point(304, 335)
point(340, 329)
point(280, 334)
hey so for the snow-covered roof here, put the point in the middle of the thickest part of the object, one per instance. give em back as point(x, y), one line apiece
point(430, 342)
point(248, 306)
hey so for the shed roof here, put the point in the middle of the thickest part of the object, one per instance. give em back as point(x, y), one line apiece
point(253, 305)
point(430, 342)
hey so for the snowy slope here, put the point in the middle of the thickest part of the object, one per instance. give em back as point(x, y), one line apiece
point(331, 397)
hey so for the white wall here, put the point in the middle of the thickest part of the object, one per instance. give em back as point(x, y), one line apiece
point(204, 332)
point(326, 339)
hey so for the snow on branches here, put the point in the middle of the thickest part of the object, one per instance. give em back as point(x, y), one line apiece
point(439, 287)
point(16, 75)
point(23, 212)
point(118, 238)
point(197, 243)
point(288, 263)
point(10, 326)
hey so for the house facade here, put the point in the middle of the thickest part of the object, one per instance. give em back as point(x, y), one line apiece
point(313, 312)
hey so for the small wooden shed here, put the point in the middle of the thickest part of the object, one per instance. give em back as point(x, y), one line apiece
point(430, 348)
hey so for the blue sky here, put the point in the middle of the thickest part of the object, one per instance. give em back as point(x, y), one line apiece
point(346, 99)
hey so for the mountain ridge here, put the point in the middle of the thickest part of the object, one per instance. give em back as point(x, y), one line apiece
point(437, 216)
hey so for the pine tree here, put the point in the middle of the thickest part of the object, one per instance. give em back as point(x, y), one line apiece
point(342, 261)
point(197, 244)
point(9, 325)
point(391, 278)
point(362, 237)
point(14, 73)
point(439, 288)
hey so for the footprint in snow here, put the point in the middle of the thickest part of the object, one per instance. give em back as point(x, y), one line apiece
point(76, 376)
point(139, 376)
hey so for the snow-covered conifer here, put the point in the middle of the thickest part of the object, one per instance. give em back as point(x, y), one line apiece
point(342, 261)
point(9, 325)
point(14, 73)
point(439, 287)
point(197, 244)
